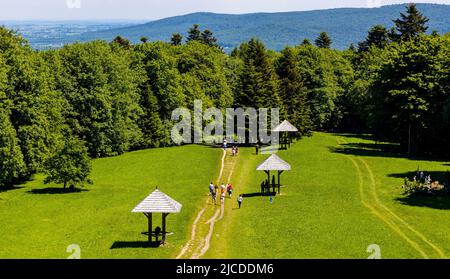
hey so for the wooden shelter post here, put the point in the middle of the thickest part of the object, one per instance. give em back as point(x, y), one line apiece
point(150, 226)
point(164, 215)
point(279, 182)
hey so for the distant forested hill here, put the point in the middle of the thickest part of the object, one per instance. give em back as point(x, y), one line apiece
point(345, 26)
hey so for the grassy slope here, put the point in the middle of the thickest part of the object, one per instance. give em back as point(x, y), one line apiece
point(43, 225)
point(320, 213)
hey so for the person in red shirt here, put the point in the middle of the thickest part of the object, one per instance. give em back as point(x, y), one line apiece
point(230, 190)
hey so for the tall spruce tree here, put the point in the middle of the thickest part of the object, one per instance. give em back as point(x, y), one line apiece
point(258, 79)
point(323, 40)
point(176, 39)
point(293, 92)
point(377, 36)
point(306, 42)
point(208, 38)
point(411, 24)
point(194, 33)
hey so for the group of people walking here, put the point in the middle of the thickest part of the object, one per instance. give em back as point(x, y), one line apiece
point(214, 191)
point(234, 149)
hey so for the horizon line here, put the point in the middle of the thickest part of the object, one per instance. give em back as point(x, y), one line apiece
point(203, 12)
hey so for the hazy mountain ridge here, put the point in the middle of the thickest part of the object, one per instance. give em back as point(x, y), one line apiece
point(345, 26)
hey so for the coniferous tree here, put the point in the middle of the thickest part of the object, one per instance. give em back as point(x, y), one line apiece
point(306, 42)
point(258, 80)
point(176, 39)
point(208, 38)
point(194, 33)
point(323, 40)
point(352, 47)
point(122, 42)
point(411, 24)
point(377, 36)
point(150, 121)
point(293, 92)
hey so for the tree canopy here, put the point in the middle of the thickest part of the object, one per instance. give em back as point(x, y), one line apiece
point(60, 107)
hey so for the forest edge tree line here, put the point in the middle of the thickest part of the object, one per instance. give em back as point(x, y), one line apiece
point(59, 108)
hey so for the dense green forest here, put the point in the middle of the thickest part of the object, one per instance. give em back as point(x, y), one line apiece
point(58, 108)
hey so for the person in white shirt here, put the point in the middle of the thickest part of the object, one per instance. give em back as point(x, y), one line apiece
point(239, 200)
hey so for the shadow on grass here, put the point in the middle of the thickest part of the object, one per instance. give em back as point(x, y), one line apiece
point(369, 150)
point(9, 188)
point(53, 191)
point(354, 136)
point(259, 194)
point(374, 149)
point(441, 176)
point(135, 244)
point(435, 202)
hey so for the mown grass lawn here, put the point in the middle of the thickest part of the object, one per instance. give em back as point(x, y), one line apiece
point(342, 195)
point(37, 221)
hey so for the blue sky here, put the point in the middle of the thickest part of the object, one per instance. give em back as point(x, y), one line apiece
point(156, 9)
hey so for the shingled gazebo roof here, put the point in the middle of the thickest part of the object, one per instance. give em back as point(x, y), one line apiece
point(285, 126)
point(158, 202)
point(273, 163)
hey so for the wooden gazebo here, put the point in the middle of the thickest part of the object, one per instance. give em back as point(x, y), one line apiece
point(285, 129)
point(157, 202)
point(274, 163)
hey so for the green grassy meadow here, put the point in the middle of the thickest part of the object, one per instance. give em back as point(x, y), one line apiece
point(38, 224)
point(321, 212)
point(343, 194)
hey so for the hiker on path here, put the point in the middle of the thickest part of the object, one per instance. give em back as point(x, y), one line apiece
point(223, 188)
point(212, 192)
point(230, 190)
point(224, 144)
point(213, 196)
point(239, 200)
